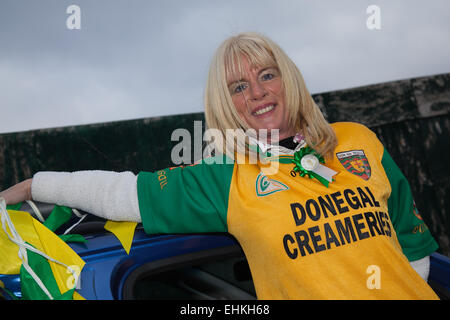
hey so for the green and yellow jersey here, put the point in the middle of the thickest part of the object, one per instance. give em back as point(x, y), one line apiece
point(351, 240)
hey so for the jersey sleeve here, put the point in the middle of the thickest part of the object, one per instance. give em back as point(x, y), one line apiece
point(186, 199)
point(412, 233)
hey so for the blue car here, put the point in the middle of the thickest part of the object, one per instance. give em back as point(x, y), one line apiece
point(171, 267)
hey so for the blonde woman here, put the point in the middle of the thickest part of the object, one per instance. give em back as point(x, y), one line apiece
point(335, 210)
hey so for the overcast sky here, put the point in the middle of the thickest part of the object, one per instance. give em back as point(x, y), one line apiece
point(136, 59)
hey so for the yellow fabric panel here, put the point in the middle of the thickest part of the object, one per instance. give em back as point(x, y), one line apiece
point(9, 260)
point(43, 239)
point(62, 252)
point(77, 296)
point(124, 231)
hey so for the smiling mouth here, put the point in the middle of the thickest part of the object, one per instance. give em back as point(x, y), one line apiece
point(264, 110)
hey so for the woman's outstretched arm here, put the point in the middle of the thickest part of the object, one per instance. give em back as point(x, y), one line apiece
point(107, 194)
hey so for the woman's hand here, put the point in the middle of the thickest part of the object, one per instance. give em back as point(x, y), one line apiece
point(18, 192)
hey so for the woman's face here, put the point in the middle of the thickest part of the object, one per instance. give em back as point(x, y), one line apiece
point(259, 98)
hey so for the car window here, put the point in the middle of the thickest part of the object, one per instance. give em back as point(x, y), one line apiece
point(226, 278)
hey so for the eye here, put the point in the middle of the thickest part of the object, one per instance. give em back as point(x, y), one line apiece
point(239, 87)
point(267, 76)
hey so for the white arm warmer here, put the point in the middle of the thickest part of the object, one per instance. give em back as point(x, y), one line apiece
point(107, 194)
point(422, 267)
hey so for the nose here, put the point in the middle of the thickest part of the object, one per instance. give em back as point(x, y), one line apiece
point(257, 91)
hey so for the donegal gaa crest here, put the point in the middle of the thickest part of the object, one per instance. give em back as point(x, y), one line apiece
point(355, 161)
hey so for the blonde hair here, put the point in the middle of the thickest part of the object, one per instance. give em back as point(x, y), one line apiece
point(303, 113)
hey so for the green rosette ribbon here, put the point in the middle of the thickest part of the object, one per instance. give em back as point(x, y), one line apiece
point(298, 168)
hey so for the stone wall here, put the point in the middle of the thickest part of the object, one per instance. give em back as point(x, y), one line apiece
point(411, 118)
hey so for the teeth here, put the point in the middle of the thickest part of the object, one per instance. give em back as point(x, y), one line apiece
point(264, 110)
